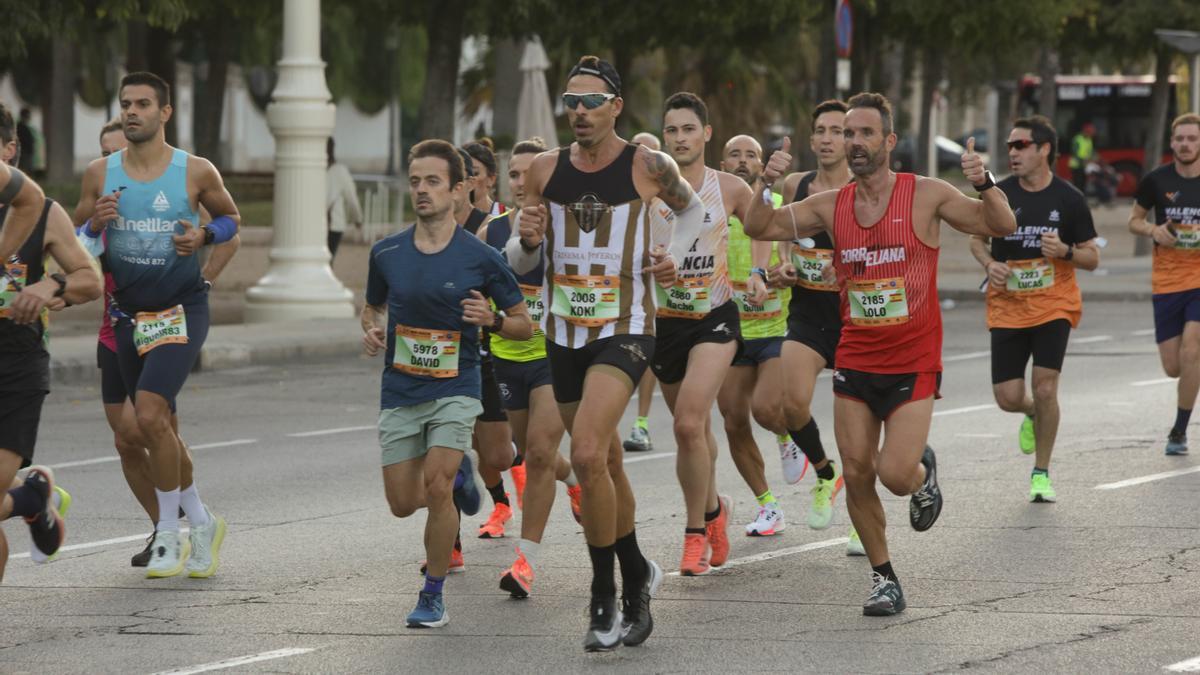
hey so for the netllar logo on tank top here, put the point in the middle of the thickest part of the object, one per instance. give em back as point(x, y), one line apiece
point(589, 212)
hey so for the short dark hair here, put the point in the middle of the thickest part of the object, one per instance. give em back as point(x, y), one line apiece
point(1042, 130)
point(112, 125)
point(532, 145)
point(870, 99)
point(1186, 118)
point(161, 89)
point(832, 105)
point(8, 128)
point(598, 67)
point(442, 150)
point(689, 101)
point(481, 152)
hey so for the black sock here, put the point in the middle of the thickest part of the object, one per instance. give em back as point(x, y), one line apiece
point(694, 530)
point(497, 493)
point(826, 472)
point(457, 543)
point(603, 559)
point(633, 564)
point(518, 460)
point(885, 570)
point(26, 501)
point(1044, 472)
point(809, 440)
point(713, 515)
point(1182, 417)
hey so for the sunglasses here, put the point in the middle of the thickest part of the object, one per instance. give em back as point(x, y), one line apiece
point(589, 101)
point(1020, 145)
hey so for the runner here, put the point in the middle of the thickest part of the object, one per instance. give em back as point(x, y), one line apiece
point(26, 292)
point(639, 435)
point(484, 170)
point(754, 384)
point(1033, 301)
point(524, 375)
point(145, 198)
point(1173, 191)
point(431, 280)
point(887, 369)
point(585, 202)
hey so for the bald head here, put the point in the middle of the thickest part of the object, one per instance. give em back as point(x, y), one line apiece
point(743, 158)
point(647, 139)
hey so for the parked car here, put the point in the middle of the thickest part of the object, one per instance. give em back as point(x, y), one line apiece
point(949, 153)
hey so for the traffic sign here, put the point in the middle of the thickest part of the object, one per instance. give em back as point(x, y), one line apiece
point(843, 23)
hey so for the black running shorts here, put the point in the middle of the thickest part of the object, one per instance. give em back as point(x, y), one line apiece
point(518, 379)
point(20, 414)
point(821, 339)
point(631, 354)
point(112, 387)
point(1012, 347)
point(676, 337)
point(882, 393)
point(493, 402)
point(758, 351)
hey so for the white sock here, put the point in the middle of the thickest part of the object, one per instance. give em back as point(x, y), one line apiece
point(570, 480)
point(193, 508)
point(168, 510)
point(530, 550)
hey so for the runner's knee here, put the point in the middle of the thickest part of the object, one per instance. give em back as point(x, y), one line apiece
point(589, 458)
point(690, 429)
point(768, 415)
point(1045, 390)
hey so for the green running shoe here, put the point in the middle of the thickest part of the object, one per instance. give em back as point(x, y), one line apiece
point(820, 514)
point(1026, 438)
point(1040, 489)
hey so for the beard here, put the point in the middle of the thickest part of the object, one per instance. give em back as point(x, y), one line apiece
point(868, 166)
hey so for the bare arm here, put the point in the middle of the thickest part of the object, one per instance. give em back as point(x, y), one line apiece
point(989, 216)
point(792, 221)
point(89, 193)
point(1161, 234)
point(23, 213)
point(219, 257)
point(517, 324)
point(678, 196)
point(212, 195)
point(83, 280)
point(370, 319)
point(524, 247)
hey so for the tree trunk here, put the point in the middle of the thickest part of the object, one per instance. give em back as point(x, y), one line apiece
point(1157, 125)
point(1048, 69)
point(931, 76)
point(445, 29)
point(160, 60)
point(59, 117)
point(623, 62)
point(827, 56)
point(863, 45)
point(209, 96)
point(507, 88)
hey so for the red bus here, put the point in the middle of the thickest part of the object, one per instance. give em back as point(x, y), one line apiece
point(1118, 106)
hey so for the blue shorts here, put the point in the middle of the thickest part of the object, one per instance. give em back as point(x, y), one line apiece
point(1172, 310)
point(758, 351)
point(164, 369)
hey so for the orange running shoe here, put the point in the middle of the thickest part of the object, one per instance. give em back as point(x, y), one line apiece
point(695, 555)
point(518, 579)
point(518, 479)
point(718, 538)
point(575, 492)
point(494, 527)
point(456, 563)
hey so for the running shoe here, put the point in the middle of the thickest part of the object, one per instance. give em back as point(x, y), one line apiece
point(695, 555)
point(820, 515)
point(718, 537)
point(1177, 443)
point(206, 547)
point(429, 613)
point(604, 626)
point(636, 622)
point(638, 441)
point(768, 522)
point(575, 492)
point(466, 496)
point(46, 527)
point(1040, 489)
point(886, 598)
point(854, 546)
point(142, 559)
point(518, 478)
point(494, 527)
point(518, 579)
point(168, 557)
point(62, 502)
point(795, 463)
point(457, 564)
point(1026, 437)
point(926, 503)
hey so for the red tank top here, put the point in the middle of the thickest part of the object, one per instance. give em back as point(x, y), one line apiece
point(891, 321)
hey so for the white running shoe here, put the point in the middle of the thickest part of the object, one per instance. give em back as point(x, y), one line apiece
point(768, 522)
point(206, 547)
point(168, 557)
point(795, 464)
point(854, 546)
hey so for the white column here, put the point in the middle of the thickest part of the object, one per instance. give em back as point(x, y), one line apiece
point(299, 283)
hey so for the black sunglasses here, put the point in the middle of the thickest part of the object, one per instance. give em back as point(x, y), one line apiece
point(590, 101)
point(1020, 145)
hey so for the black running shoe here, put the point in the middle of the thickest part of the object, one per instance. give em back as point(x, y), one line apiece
point(604, 626)
point(1177, 443)
point(926, 504)
point(46, 526)
point(886, 598)
point(636, 622)
point(142, 559)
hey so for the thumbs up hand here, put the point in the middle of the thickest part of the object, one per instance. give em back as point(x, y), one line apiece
point(189, 241)
point(779, 163)
point(972, 164)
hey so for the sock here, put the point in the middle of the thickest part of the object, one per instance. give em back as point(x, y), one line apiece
point(603, 560)
point(26, 502)
point(633, 564)
point(809, 440)
point(459, 479)
point(826, 472)
point(529, 549)
point(433, 584)
point(642, 423)
point(1044, 472)
point(518, 460)
point(193, 508)
point(765, 498)
point(458, 543)
point(571, 480)
point(168, 510)
point(694, 530)
point(498, 494)
point(886, 570)
point(1181, 420)
point(713, 515)
point(782, 438)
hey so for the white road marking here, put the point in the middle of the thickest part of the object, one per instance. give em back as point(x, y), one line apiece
point(1147, 383)
point(646, 458)
point(326, 432)
point(978, 435)
point(1146, 479)
point(117, 458)
point(1189, 666)
point(964, 357)
point(967, 409)
point(1144, 331)
point(1091, 339)
point(769, 555)
point(98, 544)
point(238, 661)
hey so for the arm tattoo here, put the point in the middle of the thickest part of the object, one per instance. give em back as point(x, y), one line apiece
point(674, 191)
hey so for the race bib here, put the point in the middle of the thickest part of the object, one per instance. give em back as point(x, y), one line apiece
point(878, 302)
point(810, 264)
point(432, 353)
point(586, 300)
point(689, 298)
point(1187, 236)
point(9, 290)
point(1026, 276)
point(154, 329)
point(772, 308)
point(533, 302)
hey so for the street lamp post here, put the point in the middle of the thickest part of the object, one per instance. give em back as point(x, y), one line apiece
point(299, 283)
point(1188, 42)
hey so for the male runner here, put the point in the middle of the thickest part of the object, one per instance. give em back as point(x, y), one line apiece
point(524, 375)
point(639, 435)
point(754, 384)
point(885, 229)
point(583, 217)
point(1033, 301)
point(431, 280)
point(1173, 191)
point(145, 200)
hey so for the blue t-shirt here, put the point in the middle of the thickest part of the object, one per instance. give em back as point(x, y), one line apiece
point(424, 293)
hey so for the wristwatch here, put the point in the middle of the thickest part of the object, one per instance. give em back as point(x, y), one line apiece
point(760, 272)
point(989, 182)
point(208, 234)
point(1070, 252)
point(498, 322)
point(61, 280)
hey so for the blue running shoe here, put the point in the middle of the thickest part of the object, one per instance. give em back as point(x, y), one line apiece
point(1177, 443)
point(429, 613)
point(466, 495)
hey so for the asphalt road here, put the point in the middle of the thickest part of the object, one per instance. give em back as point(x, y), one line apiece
point(317, 576)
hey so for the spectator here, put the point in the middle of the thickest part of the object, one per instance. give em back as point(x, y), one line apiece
point(341, 200)
point(1083, 149)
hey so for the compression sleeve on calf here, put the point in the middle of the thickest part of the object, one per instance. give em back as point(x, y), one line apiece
point(689, 222)
point(223, 229)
